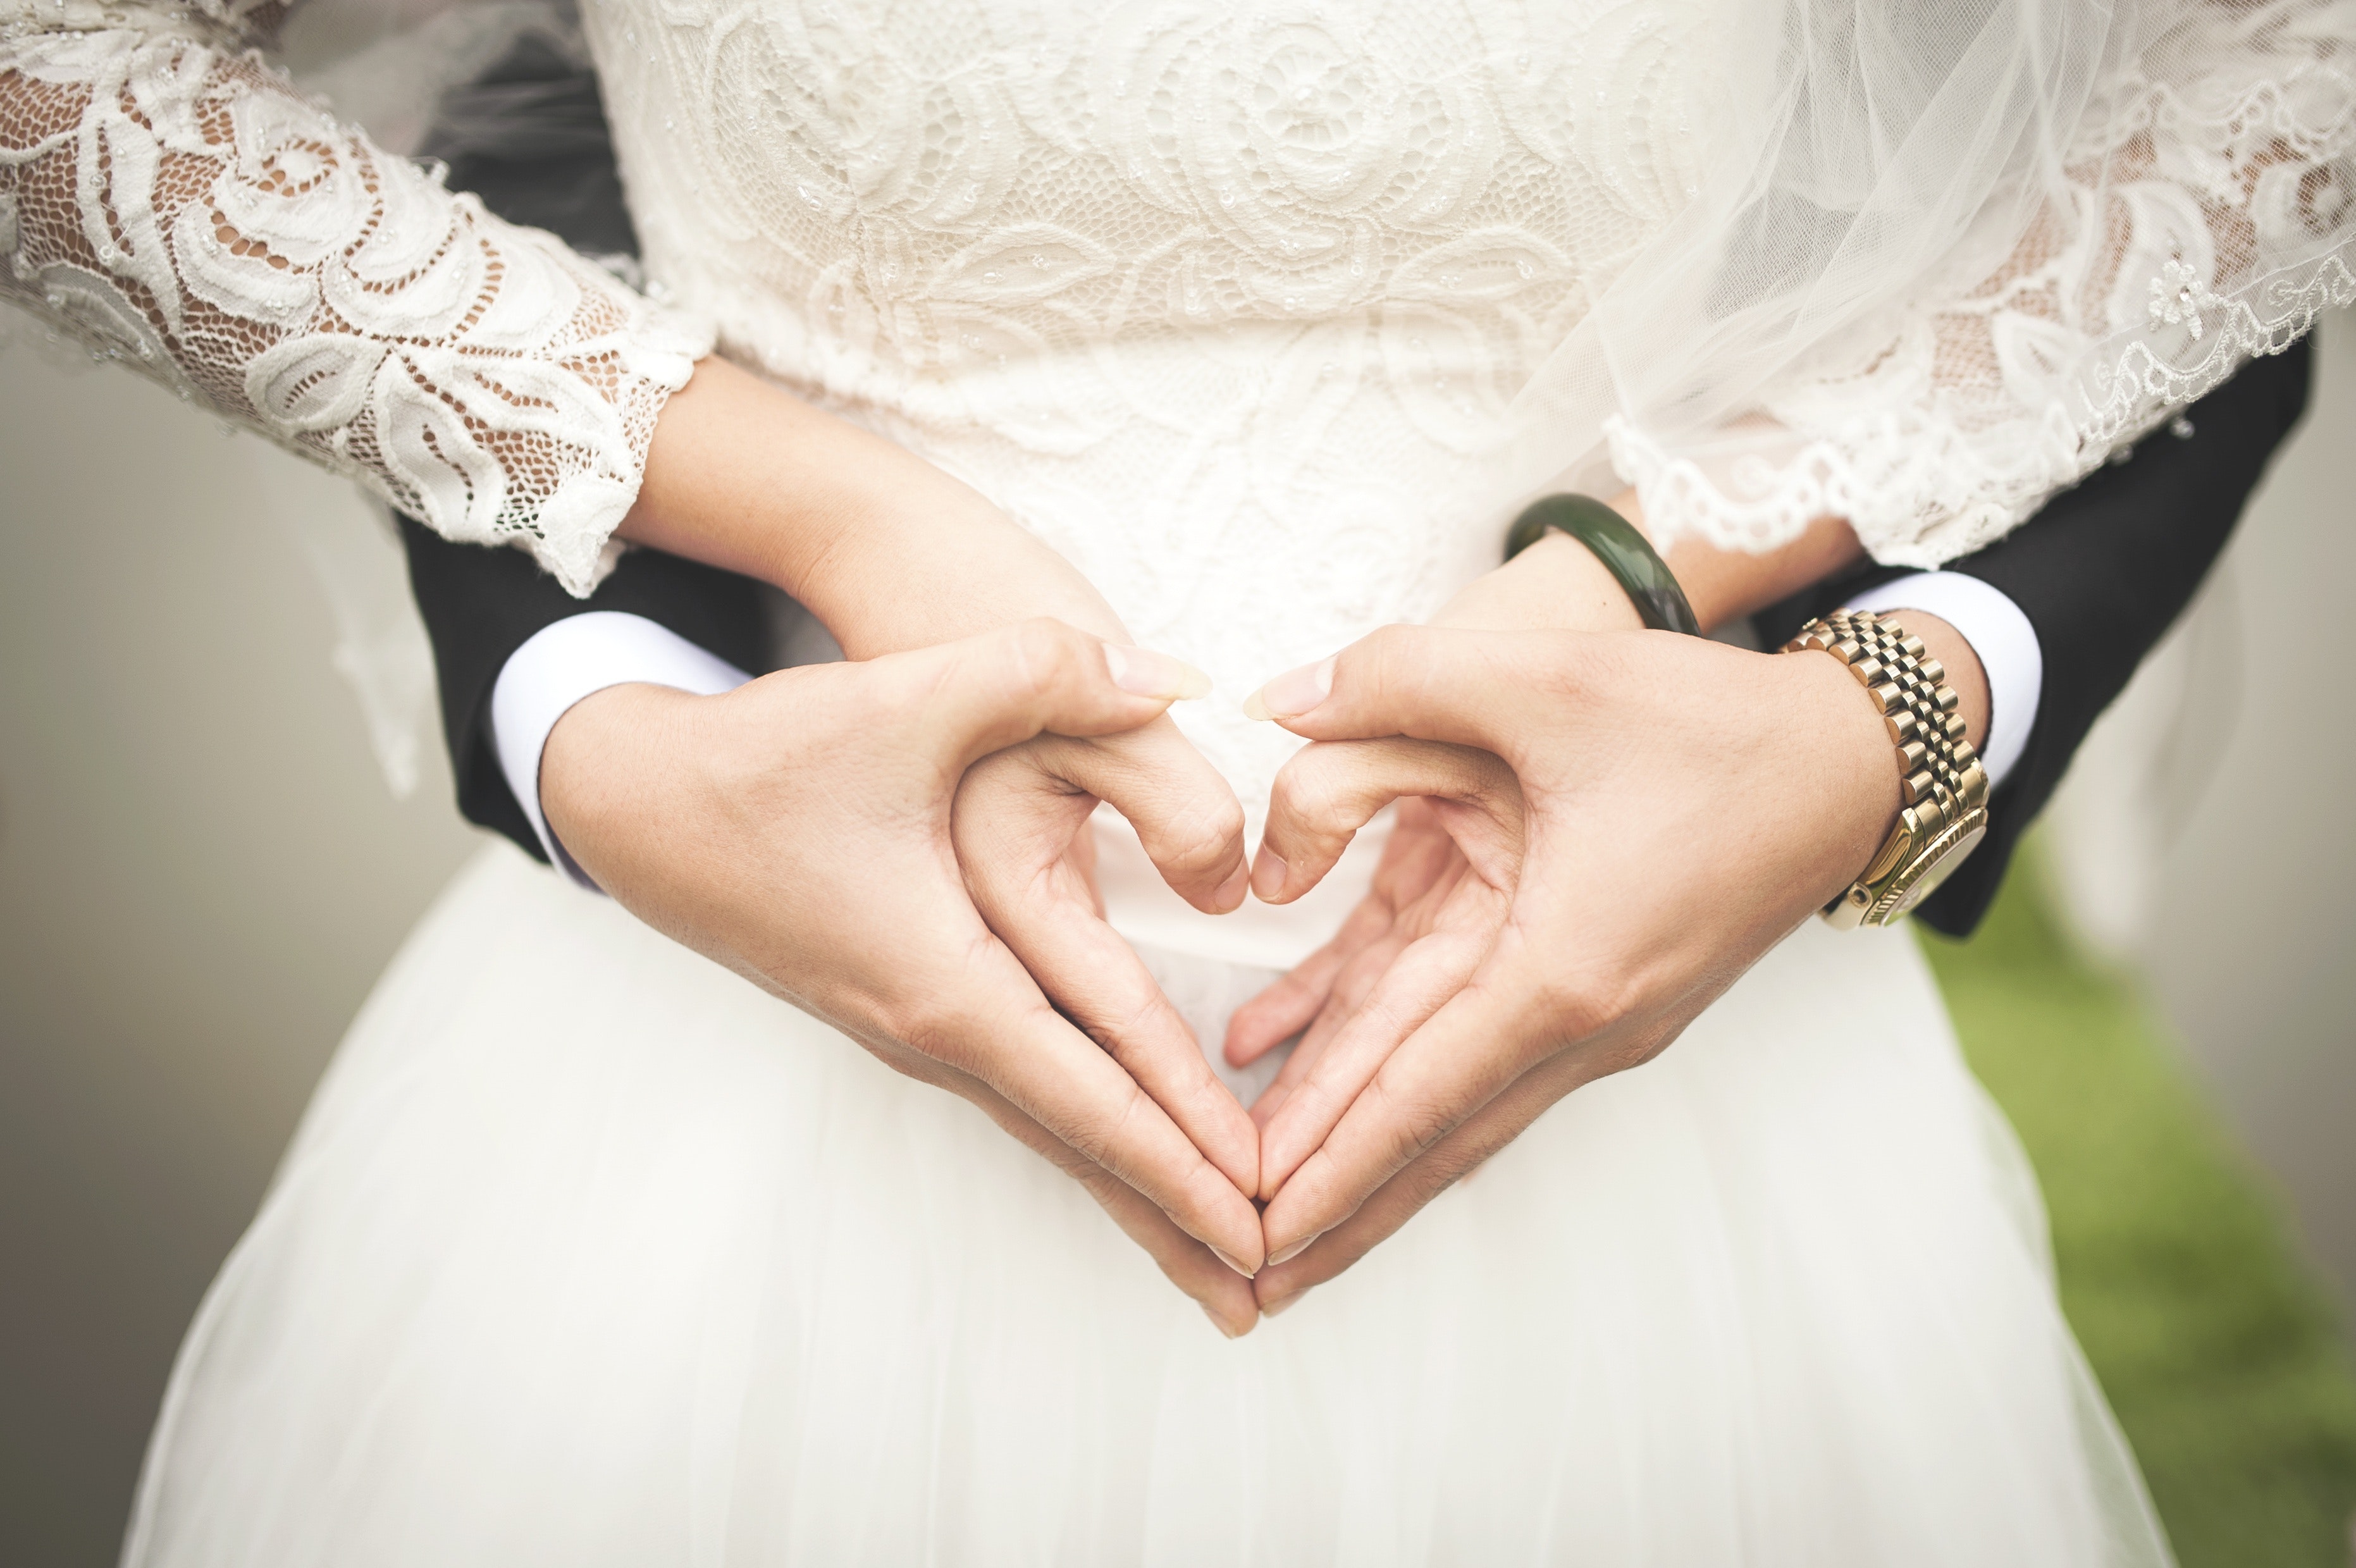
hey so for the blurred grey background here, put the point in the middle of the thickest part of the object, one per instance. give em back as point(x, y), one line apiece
point(202, 868)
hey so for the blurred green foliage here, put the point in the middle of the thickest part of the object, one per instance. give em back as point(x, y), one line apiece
point(2221, 1353)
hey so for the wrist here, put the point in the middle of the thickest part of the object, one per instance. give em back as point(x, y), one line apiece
point(607, 765)
point(1965, 672)
point(1944, 788)
point(1556, 585)
point(1722, 584)
point(741, 468)
point(887, 550)
point(1839, 741)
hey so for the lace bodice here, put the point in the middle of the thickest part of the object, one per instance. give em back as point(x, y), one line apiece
point(1265, 312)
point(172, 201)
point(1228, 303)
point(1261, 312)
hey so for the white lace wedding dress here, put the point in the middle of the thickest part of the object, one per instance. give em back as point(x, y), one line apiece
point(1263, 314)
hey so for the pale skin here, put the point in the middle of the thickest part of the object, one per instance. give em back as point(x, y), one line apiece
point(1600, 828)
point(753, 827)
point(800, 830)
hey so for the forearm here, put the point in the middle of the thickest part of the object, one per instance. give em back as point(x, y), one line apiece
point(885, 549)
point(1558, 584)
point(184, 211)
point(483, 438)
point(1723, 586)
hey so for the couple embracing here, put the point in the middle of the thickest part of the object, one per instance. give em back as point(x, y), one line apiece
point(1211, 861)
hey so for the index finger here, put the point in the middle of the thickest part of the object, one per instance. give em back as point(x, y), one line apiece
point(1404, 1195)
point(1012, 860)
point(999, 1028)
point(1330, 790)
point(1479, 1042)
point(1425, 683)
point(1213, 1285)
point(1089, 972)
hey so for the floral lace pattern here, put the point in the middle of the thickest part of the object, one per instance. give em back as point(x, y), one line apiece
point(2205, 216)
point(1237, 305)
point(175, 204)
point(1220, 299)
point(1228, 303)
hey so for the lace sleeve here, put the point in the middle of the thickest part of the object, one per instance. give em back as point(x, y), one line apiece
point(167, 198)
point(2203, 210)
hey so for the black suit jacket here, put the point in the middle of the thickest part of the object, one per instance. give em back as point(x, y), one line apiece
point(530, 138)
point(2101, 573)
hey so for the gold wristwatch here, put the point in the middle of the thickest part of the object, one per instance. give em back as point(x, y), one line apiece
point(1944, 814)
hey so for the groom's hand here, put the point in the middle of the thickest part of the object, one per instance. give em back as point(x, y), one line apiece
point(1680, 807)
point(1439, 897)
point(1023, 843)
point(799, 829)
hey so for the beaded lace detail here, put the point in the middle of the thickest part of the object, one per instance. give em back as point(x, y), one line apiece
point(2203, 215)
point(170, 200)
point(1228, 303)
point(1240, 306)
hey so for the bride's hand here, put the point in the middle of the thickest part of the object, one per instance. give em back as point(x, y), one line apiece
point(889, 551)
point(799, 829)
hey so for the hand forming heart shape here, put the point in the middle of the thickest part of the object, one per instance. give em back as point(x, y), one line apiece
point(1610, 828)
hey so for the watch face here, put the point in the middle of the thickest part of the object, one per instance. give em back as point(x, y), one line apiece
point(1926, 882)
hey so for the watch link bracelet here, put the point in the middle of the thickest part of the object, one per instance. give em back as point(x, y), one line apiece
point(1943, 810)
point(1612, 539)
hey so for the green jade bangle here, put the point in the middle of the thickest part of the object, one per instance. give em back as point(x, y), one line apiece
point(1626, 553)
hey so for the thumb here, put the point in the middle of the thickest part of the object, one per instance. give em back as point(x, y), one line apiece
point(1184, 813)
point(986, 692)
point(1331, 789)
point(1428, 683)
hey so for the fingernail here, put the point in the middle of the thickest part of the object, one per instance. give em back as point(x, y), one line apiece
point(1292, 694)
point(1232, 1263)
point(1231, 891)
point(1268, 874)
point(1292, 1251)
point(1145, 673)
point(1283, 1302)
point(1216, 1324)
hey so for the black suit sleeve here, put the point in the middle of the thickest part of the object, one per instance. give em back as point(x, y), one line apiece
point(2101, 572)
point(530, 139)
point(481, 604)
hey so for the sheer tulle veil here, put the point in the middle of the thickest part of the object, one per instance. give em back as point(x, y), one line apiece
point(1930, 260)
point(1918, 264)
point(1942, 257)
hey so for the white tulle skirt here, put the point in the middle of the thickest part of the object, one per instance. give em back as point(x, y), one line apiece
point(589, 1253)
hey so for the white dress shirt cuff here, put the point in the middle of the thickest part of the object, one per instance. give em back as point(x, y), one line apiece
point(1998, 632)
point(572, 659)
